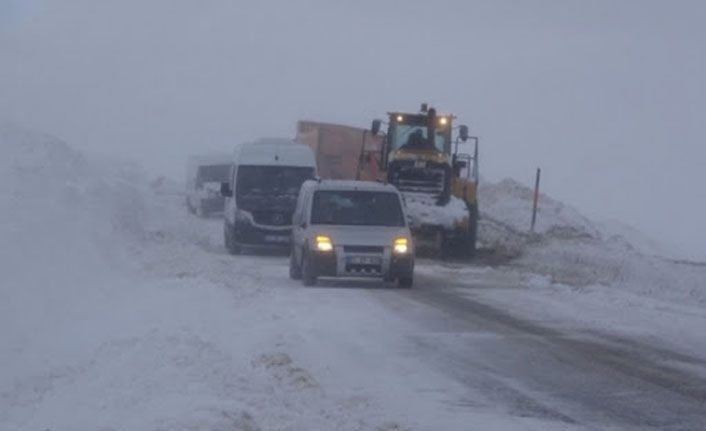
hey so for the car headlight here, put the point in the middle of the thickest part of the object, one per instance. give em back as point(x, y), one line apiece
point(401, 246)
point(323, 243)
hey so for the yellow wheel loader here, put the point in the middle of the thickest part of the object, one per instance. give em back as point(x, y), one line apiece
point(418, 154)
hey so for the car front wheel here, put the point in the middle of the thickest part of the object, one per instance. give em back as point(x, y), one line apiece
point(405, 282)
point(308, 274)
point(295, 272)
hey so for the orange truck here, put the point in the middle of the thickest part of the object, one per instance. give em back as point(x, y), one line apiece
point(438, 183)
point(342, 152)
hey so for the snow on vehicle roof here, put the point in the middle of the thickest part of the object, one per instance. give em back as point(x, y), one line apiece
point(346, 185)
point(274, 151)
point(194, 162)
point(211, 158)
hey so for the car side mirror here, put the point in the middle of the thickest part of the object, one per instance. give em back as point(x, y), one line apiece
point(226, 192)
point(375, 127)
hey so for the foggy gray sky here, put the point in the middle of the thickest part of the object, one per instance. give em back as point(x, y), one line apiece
point(607, 96)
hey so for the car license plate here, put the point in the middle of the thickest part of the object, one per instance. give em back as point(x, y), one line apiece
point(363, 260)
point(420, 164)
point(277, 238)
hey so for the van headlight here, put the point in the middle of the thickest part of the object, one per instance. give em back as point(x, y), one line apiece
point(323, 243)
point(401, 246)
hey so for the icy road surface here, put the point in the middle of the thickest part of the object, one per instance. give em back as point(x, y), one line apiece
point(468, 345)
point(119, 311)
point(196, 339)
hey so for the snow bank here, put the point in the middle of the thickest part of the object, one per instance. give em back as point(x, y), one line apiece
point(506, 215)
point(573, 250)
point(510, 203)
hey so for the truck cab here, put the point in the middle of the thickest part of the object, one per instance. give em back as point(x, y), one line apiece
point(261, 192)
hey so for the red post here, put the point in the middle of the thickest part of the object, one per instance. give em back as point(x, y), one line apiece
point(536, 199)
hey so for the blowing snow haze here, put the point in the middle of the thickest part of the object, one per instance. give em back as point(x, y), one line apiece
point(607, 97)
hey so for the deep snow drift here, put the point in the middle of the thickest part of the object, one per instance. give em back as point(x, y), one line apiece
point(118, 311)
point(573, 250)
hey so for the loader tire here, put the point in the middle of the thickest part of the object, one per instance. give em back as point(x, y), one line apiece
point(472, 234)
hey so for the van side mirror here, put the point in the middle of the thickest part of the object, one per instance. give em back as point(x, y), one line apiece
point(463, 132)
point(375, 127)
point(226, 192)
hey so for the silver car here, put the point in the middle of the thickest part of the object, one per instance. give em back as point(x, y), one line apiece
point(351, 229)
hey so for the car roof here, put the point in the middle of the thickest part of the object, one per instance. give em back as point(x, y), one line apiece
point(347, 185)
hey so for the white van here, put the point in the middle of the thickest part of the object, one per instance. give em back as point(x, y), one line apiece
point(351, 229)
point(261, 192)
point(204, 175)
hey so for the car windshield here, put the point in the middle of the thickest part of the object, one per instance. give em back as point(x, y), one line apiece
point(350, 207)
point(271, 180)
point(212, 174)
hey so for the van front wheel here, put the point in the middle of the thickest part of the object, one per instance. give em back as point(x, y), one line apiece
point(229, 239)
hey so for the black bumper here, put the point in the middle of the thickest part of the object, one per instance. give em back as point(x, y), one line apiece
point(401, 267)
point(326, 265)
point(248, 234)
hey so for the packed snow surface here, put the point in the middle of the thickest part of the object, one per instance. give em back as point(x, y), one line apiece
point(119, 311)
point(423, 210)
point(572, 250)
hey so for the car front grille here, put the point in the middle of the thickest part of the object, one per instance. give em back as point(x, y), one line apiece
point(362, 249)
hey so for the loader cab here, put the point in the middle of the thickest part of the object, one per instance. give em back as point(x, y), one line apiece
point(417, 154)
point(411, 132)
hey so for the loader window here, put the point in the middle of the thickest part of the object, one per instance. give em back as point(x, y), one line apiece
point(407, 136)
point(360, 208)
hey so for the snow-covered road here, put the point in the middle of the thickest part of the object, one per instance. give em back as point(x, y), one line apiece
point(119, 311)
point(458, 344)
point(477, 345)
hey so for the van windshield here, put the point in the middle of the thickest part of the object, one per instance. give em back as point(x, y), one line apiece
point(271, 180)
point(352, 207)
